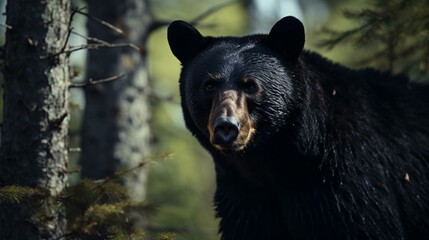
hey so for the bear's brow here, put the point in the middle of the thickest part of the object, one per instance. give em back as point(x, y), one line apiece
point(214, 76)
point(237, 47)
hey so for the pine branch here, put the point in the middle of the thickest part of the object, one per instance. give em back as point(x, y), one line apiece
point(14, 193)
point(336, 37)
point(393, 31)
point(166, 236)
point(121, 173)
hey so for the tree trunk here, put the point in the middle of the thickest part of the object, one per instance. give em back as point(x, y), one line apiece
point(34, 135)
point(115, 128)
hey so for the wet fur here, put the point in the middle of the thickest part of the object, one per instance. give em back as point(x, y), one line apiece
point(336, 153)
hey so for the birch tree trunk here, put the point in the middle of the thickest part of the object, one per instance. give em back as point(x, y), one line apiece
point(34, 135)
point(115, 128)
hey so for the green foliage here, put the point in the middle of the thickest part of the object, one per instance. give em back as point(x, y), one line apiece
point(101, 209)
point(395, 32)
point(95, 209)
point(166, 236)
point(15, 194)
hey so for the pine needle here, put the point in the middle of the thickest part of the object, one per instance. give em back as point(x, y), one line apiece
point(15, 193)
point(166, 236)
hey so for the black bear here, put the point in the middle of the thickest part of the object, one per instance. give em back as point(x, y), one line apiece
point(305, 148)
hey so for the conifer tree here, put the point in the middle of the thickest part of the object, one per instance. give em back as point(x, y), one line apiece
point(115, 128)
point(34, 149)
point(396, 32)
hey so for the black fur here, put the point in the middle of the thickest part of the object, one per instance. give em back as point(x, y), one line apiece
point(337, 153)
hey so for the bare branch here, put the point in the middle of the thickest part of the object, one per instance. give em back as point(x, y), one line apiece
point(94, 46)
point(93, 82)
point(102, 45)
point(210, 11)
point(195, 21)
point(77, 149)
point(104, 23)
point(97, 40)
point(70, 29)
point(4, 25)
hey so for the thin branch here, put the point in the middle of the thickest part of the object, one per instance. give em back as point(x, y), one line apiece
point(121, 173)
point(210, 11)
point(94, 46)
point(4, 25)
point(70, 29)
point(90, 38)
point(93, 82)
point(102, 45)
point(104, 23)
point(340, 37)
point(195, 21)
point(76, 149)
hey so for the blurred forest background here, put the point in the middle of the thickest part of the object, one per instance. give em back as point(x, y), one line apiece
point(181, 179)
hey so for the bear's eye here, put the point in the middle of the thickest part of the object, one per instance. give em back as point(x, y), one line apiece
point(250, 86)
point(210, 85)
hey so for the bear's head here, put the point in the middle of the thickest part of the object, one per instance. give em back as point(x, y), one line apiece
point(236, 92)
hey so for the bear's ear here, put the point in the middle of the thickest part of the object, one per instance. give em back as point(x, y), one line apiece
point(287, 37)
point(185, 41)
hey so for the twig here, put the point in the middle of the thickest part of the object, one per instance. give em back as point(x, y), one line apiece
point(70, 29)
point(118, 174)
point(93, 82)
point(73, 170)
point(210, 11)
point(76, 149)
point(94, 46)
point(340, 37)
point(102, 45)
point(9, 27)
point(90, 38)
point(195, 21)
point(104, 23)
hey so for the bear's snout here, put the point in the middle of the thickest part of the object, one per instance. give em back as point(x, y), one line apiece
point(229, 122)
point(225, 130)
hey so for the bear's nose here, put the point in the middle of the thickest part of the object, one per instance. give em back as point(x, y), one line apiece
point(225, 130)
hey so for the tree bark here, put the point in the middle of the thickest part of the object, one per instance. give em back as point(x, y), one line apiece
point(115, 128)
point(34, 135)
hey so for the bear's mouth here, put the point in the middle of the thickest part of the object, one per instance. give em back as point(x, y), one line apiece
point(229, 148)
point(238, 145)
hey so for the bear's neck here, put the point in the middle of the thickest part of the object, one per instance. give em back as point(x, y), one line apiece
point(281, 165)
